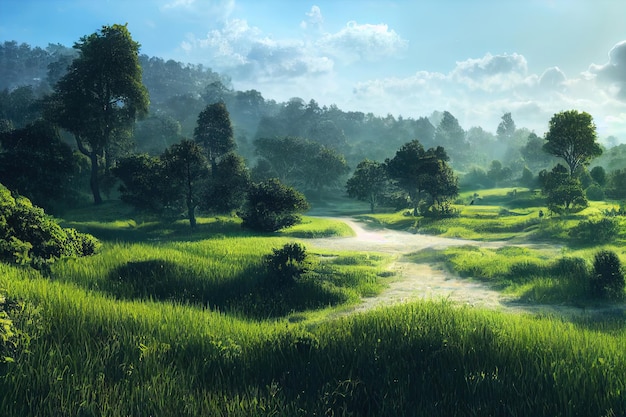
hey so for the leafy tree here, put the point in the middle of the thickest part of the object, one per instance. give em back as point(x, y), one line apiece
point(442, 186)
point(608, 276)
point(228, 186)
point(35, 163)
point(29, 236)
point(286, 156)
point(272, 206)
point(101, 95)
point(528, 179)
point(185, 173)
point(498, 173)
point(564, 192)
point(572, 136)
point(533, 153)
point(156, 133)
point(599, 175)
point(616, 184)
point(214, 132)
point(449, 134)
point(324, 168)
point(506, 128)
point(142, 182)
point(416, 170)
point(368, 183)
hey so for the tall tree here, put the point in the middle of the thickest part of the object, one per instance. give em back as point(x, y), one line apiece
point(214, 132)
point(572, 136)
point(368, 183)
point(506, 128)
point(186, 172)
point(563, 191)
point(416, 170)
point(102, 94)
point(37, 164)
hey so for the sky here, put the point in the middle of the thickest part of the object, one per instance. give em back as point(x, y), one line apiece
point(477, 59)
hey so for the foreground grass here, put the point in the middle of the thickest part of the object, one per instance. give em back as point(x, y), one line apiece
point(91, 354)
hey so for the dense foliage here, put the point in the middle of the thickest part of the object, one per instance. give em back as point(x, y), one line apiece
point(271, 206)
point(29, 236)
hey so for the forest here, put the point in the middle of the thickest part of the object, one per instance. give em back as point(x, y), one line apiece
point(172, 246)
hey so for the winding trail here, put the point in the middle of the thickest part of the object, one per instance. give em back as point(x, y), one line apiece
point(413, 281)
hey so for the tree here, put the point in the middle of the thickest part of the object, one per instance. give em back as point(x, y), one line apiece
point(506, 128)
point(286, 156)
point(368, 183)
point(271, 206)
point(35, 163)
point(450, 134)
point(142, 182)
point(533, 153)
point(416, 170)
point(214, 132)
point(101, 95)
point(599, 175)
point(228, 186)
point(564, 192)
point(572, 136)
point(498, 173)
point(324, 168)
point(185, 172)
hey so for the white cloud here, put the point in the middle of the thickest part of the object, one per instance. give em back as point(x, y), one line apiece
point(362, 42)
point(613, 73)
point(315, 18)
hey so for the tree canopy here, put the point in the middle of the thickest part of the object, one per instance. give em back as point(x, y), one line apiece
point(572, 136)
point(101, 95)
point(417, 170)
point(368, 183)
point(214, 132)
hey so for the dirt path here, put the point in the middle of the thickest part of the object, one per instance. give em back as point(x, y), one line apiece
point(411, 280)
point(423, 281)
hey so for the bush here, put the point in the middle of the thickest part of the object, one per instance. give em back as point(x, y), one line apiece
point(29, 236)
point(595, 231)
point(286, 265)
point(607, 280)
point(272, 206)
point(595, 193)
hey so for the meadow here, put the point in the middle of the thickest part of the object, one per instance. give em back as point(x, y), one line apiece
point(166, 322)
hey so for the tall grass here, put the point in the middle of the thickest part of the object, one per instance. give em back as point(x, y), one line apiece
point(91, 354)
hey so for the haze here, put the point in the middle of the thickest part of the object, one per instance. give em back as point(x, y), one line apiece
point(475, 59)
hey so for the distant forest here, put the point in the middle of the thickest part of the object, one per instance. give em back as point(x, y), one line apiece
point(179, 92)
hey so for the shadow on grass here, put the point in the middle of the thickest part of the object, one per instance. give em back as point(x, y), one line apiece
point(251, 294)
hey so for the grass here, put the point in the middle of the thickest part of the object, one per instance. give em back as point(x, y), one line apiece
point(169, 323)
point(91, 354)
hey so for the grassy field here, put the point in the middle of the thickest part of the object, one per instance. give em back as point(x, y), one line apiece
point(165, 322)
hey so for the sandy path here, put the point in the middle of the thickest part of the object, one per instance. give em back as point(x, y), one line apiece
point(413, 281)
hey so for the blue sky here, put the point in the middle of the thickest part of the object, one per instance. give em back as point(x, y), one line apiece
point(477, 59)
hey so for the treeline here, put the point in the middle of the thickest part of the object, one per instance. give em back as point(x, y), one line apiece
point(311, 147)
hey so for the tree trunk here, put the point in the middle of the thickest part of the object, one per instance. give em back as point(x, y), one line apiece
point(191, 213)
point(94, 183)
point(93, 180)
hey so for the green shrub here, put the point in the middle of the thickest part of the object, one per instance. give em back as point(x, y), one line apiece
point(272, 206)
point(607, 280)
point(28, 235)
point(594, 231)
point(286, 265)
point(594, 193)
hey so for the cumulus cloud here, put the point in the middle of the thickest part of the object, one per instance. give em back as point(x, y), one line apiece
point(492, 72)
point(243, 51)
point(315, 18)
point(613, 73)
point(552, 79)
point(362, 42)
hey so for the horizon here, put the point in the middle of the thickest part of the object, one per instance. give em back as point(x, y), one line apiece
point(476, 60)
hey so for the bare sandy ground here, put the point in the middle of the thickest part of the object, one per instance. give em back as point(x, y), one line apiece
point(414, 281)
